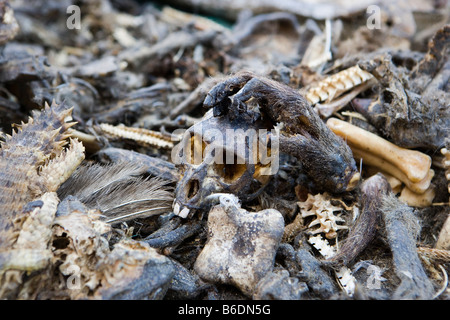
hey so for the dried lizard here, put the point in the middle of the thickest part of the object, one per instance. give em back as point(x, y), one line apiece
point(33, 164)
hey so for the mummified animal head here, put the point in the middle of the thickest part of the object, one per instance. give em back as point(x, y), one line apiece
point(222, 155)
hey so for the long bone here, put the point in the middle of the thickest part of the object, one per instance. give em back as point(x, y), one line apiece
point(410, 166)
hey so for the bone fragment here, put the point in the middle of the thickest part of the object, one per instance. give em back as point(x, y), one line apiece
point(396, 184)
point(335, 85)
point(371, 159)
point(443, 241)
point(417, 200)
point(414, 164)
point(140, 135)
point(446, 163)
point(241, 245)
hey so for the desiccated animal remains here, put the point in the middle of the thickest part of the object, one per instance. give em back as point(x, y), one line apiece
point(402, 229)
point(33, 165)
point(365, 227)
point(203, 173)
point(325, 157)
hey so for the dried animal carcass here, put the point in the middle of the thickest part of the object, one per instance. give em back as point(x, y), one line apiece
point(412, 108)
point(324, 156)
point(33, 165)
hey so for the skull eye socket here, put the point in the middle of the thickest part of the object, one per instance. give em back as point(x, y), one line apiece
point(230, 171)
point(192, 188)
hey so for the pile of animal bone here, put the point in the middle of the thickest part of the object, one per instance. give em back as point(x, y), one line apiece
point(248, 151)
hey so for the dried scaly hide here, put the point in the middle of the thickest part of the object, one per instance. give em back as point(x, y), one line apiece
point(33, 165)
point(119, 191)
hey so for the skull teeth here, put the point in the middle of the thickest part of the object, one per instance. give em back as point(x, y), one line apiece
point(176, 208)
point(183, 213)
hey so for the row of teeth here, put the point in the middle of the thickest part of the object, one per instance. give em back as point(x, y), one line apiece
point(176, 210)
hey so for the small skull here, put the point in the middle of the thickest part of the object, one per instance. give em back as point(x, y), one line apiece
point(222, 155)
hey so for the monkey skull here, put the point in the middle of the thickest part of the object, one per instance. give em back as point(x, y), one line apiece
point(219, 155)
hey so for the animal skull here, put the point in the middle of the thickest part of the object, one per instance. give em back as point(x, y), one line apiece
point(222, 155)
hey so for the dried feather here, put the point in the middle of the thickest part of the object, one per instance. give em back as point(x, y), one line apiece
point(89, 179)
point(118, 191)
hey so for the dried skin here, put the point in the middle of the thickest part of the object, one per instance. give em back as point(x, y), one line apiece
point(436, 55)
point(405, 115)
point(402, 229)
point(34, 162)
